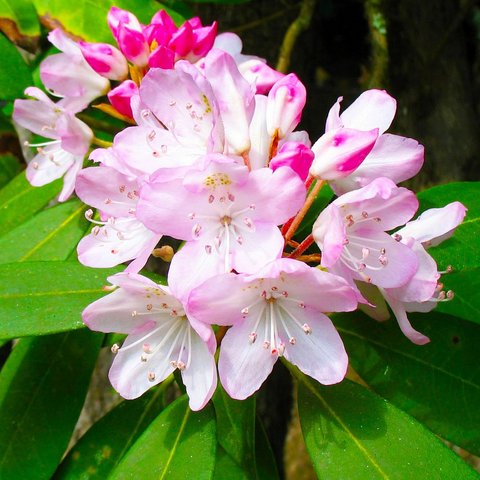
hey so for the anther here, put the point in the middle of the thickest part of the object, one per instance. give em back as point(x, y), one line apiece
point(450, 294)
point(350, 221)
point(134, 313)
point(181, 366)
point(163, 148)
point(35, 165)
point(252, 337)
point(113, 251)
point(365, 214)
point(211, 198)
point(115, 348)
point(292, 341)
point(196, 230)
point(188, 106)
point(89, 213)
point(149, 307)
point(172, 103)
point(397, 237)
point(306, 328)
point(248, 222)
point(361, 267)
point(383, 260)
point(208, 249)
point(281, 349)
point(301, 305)
point(266, 345)
point(231, 197)
point(143, 358)
point(244, 311)
point(146, 348)
point(239, 240)
point(151, 376)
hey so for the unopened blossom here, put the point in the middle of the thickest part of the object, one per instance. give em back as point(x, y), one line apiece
point(423, 291)
point(395, 157)
point(161, 339)
point(105, 59)
point(295, 155)
point(275, 312)
point(351, 233)
point(121, 236)
point(339, 152)
point(69, 139)
point(121, 96)
point(227, 215)
point(68, 74)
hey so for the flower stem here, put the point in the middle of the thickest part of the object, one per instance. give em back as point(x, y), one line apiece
point(302, 247)
point(101, 143)
point(303, 211)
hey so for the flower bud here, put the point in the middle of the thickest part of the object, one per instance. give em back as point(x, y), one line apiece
point(258, 73)
point(339, 152)
point(285, 104)
point(294, 155)
point(120, 97)
point(105, 59)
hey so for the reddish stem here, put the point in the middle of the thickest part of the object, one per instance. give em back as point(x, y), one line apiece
point(302, 247)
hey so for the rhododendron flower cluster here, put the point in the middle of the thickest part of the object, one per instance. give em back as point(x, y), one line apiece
point(211, 156)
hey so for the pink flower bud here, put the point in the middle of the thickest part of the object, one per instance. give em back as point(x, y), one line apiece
point(339, 152)
point(294, 155)
point(258, 73)
point(105, 59)
point(203, 39)
point(182, 40)
point(121, 95)
point(162, 57)
point(133, 45)
point(116, 17)
point(285, 104)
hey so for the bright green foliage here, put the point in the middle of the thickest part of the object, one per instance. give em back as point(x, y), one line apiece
point(42, 389)
point(353, 433)
point(46, 297)
point(51, 235)
point(9, 167)
point(178, 444)
point(19, 201)
point(100, 450)
point(18, 20)
point(438, 383)
point(15, 75)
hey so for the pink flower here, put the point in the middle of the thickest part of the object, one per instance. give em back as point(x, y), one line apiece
point(295, 155)
point(161, 338)
point(121, 95)
point(394, 157)
point(227, 215)
point(68, 74)
point(122, 236)
point(254, 69)
point(351, 235)
point(105, 59)
point(423, 291)
point(70, 139)
point(278, 311)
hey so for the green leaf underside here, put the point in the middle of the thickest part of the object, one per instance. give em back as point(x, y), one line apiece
point(102, 447)
point(178, 444)
point(15, 75)
point(47, 297)
point(437, 383)
point(460, 251)
point(236, 429)
point(88, 19)
point(42, 390)
point(352, 433)
point(19, 201)
point(51, 235)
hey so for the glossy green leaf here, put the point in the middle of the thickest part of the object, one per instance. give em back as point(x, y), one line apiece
point(102, 447)
point(47, 297)
point(19, 201)
point(51, 235)
point(437, 383)
point(226, 468)
point(265, 460)
point(19, 22)
point(88, 19)
point(178, 444)
point(460, 251)
point(351, 432)
point(42, 390)
point(9, 167)
point(236, 429)
point(15, 75)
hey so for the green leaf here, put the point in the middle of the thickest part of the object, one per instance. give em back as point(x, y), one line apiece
point(19, 201)
point(236, 429)
point(47, 297)
point(15, 75)
point(88, 19)
point(42, 390)
point(226, 468)
point(265, 460)
point(178, 444)
point(352, 433)
point(102, 447)
point(437, 383)
point(19, 22)
point(460, 251)
point(9, 167)
point(51, 235)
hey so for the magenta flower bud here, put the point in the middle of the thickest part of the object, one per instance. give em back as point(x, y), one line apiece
point(105, 59)
point(120, 97)
point(203, 39)
point(339, 152)
point(285, 104)
point(133, 45)
point(258, 73)
point(295, 155)
point(162, 57)
point(160, 29)
point(182, 40)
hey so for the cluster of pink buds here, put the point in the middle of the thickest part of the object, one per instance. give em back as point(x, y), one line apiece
point(210, 156)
